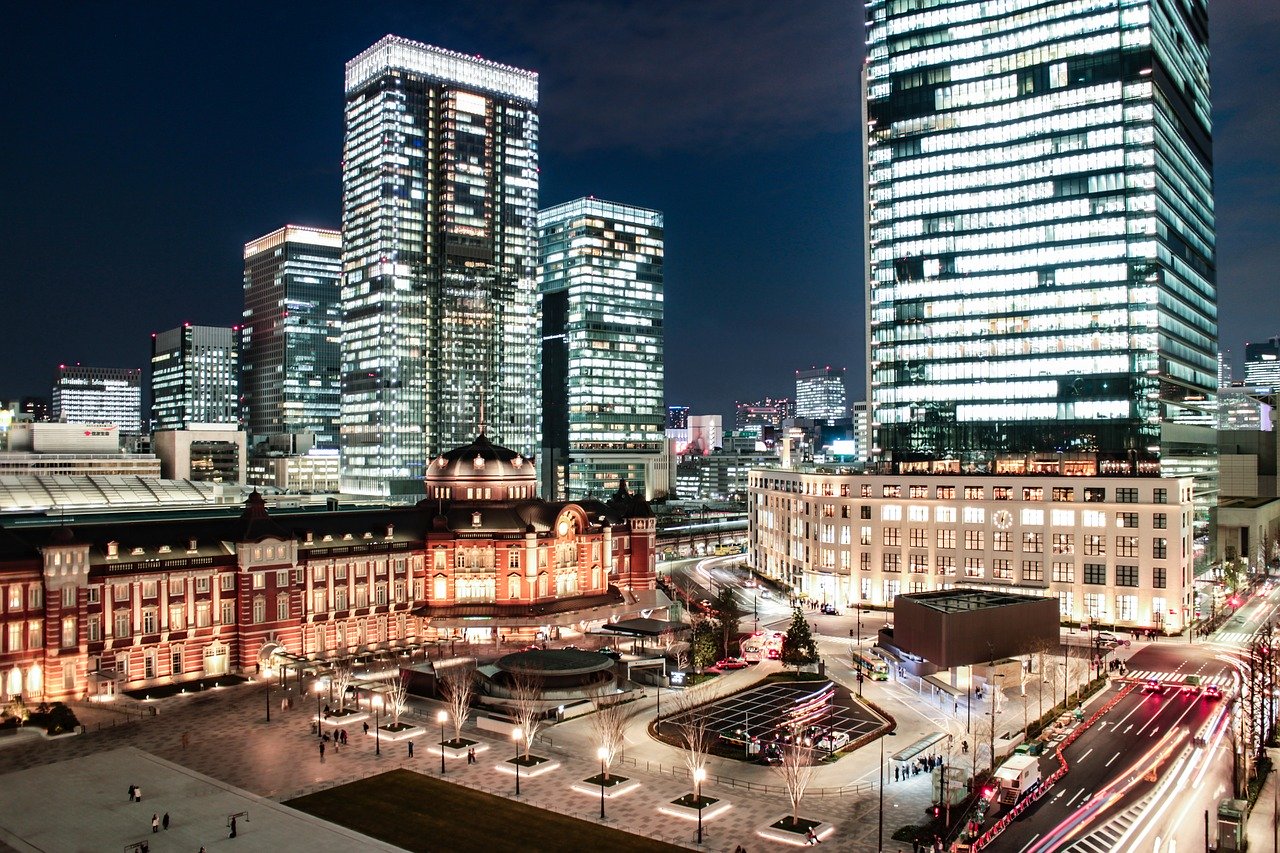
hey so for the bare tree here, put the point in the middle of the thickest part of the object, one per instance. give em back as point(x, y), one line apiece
point(458, 685)
point(526, 694)
point(796, 770)
point(340, 678)
point(693, 727)
point(397, 694)
point(609, 725)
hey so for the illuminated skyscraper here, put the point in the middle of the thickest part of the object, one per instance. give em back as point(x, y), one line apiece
point(291, 334)
point(195, 376)
point(1041, 232)
point(600, 286)
point(820, 393)
point(98, 395)
point(1262, 364)
point(440, 194)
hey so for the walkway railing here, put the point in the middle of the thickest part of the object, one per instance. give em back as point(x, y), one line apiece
point(680, 772)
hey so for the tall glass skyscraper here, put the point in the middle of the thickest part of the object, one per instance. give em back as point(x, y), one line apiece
point(1040, 232)
point(195, 376)
point(440, 194)
point(98, 395)
point(291, 338)
point(600, 286)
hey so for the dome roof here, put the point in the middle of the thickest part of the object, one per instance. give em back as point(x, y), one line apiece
point(480, 462)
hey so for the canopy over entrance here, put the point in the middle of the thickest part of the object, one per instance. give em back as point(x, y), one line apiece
point(919, 746)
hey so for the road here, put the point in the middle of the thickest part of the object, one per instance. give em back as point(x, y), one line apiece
point(1107, 800)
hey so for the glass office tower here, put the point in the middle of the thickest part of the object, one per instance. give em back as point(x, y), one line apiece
point(1040, 232)
point(290, 341)
point(820, 393)
point(600, 288)
point(440, 194)
point(98, 395)
point(195, 376)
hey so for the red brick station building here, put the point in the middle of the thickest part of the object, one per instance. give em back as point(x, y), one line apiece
point(123, 602)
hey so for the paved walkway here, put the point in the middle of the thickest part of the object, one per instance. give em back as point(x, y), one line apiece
point(82, 804)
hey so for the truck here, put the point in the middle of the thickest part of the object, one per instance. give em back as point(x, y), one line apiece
point(1017, 776)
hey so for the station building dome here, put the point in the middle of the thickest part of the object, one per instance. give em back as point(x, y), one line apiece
point(481, 471)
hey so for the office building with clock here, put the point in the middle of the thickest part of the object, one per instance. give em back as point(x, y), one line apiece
point(1111, 550)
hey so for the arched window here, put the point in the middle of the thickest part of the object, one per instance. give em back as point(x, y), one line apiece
point(542, 585)
point(513, 586)
point(440, 588)
point(595, 577)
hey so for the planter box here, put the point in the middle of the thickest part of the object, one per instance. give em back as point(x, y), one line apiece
point(616, 786)
point(537, 766)
point(383, 733)
point(780, 830)
point(682, 808)
point(458, 748)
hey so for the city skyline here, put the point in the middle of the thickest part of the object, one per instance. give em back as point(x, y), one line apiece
point(739, 176)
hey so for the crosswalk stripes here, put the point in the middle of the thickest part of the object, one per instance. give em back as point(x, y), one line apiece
point(1222, 681)
point(1234, 638)
point(1106, 839)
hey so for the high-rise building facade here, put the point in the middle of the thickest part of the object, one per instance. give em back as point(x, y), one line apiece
point(600, 292)
point(757, 415)
point(820, 393)
point(1262, 364)
point(291, 355)
point(1041, 233)
point(440, 195)
point(195, 376)
point(98, 395)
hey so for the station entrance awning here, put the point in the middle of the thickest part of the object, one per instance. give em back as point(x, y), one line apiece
point(919, 746)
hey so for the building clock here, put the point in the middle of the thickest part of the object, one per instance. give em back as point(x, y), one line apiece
point(1003, 519)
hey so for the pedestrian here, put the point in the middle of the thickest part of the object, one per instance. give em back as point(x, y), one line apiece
point(164, 821)
point(233, 828)
point(137, 794)
point(955, 706)
point(155, 823)
point(366, 727)
point(322, 752)
point(964, 747)
point(344, 737)
point(411, 749)
point(132, 788)
point(895, 773)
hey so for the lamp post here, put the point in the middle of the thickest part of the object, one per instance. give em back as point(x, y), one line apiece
point(515, 737)
point(319, 727)
point(699, 775)
point(377, 735)
point(880, 835)
point(602, 753)
point(267, 681)
point(441, 718)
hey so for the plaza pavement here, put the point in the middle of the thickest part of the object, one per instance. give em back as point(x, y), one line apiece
point(229, 741)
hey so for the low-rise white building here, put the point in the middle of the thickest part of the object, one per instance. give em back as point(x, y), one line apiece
point(1114, 550)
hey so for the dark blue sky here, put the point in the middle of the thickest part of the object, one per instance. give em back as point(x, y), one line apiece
point(145, 143)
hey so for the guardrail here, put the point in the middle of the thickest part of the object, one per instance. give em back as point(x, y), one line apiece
point(678, 772)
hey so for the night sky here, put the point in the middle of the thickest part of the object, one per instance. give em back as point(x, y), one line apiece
point(147, 142)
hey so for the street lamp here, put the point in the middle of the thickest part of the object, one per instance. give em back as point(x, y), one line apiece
point(602, 753)
point(267, 680)
point(441, 718)
point(699, 775)
point(515, 737)
point(880, 836)
point(377, 735)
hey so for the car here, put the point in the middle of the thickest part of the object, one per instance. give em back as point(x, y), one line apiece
point(612, 653)
point(1213, 691)
point(774, 654)
point(829, 609)
point(1152, 685)
point(771, 753)
point(1106, 638)
point(731, 663)
point(766, 595)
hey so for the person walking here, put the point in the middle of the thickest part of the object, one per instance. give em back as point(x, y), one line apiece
point(233, 828)
point(155, 823)
point(164, 821)
point(132, 788)
point(137, 794)
point(366, 727)
point(322, 752)
point(411, 749)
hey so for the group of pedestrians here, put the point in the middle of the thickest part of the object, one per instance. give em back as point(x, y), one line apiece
point(923, 764)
